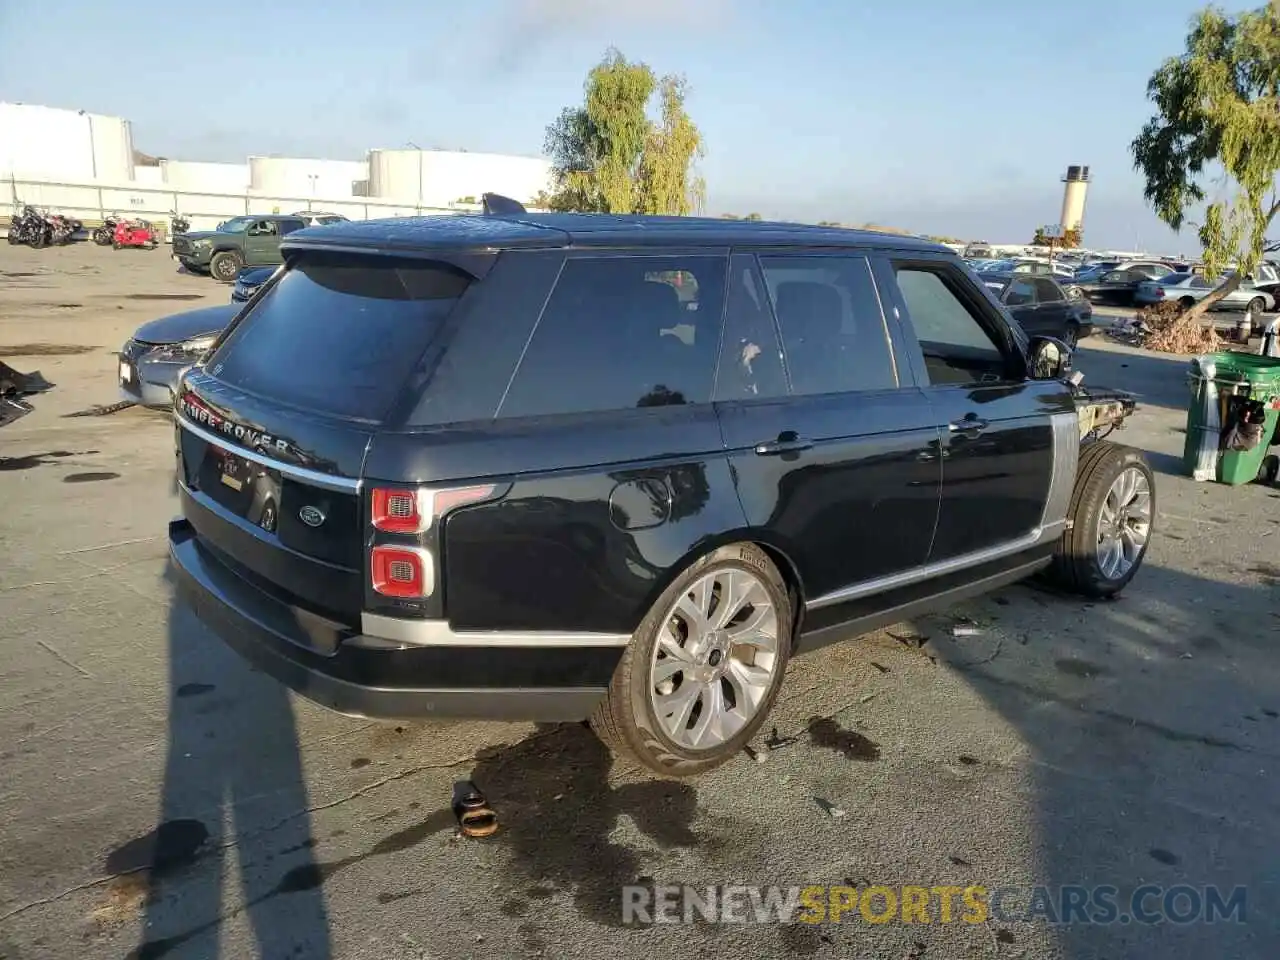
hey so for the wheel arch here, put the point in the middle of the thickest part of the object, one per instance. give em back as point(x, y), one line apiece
point(777, 551)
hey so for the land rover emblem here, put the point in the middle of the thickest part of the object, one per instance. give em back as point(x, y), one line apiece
point(311, 516)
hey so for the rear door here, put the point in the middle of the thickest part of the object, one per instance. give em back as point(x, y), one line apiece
point(1020, 299)
point(273, 429)
point(834, 449)
point(1051, 309)
point(998, 427)
point(262, 243)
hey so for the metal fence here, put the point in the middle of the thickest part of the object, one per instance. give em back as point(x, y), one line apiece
point(90, 202)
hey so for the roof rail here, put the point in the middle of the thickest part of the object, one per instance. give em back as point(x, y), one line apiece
point(496, 205)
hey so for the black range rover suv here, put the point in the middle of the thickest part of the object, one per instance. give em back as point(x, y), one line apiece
point(557, 467)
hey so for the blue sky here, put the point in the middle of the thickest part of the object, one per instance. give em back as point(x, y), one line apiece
point(935, 115)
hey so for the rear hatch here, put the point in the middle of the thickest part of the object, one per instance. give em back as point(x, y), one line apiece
point(273, 429)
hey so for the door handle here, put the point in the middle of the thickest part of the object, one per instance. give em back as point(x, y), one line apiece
point(788, 441)
point(969, 427)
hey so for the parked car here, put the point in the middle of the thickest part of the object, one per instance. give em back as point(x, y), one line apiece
point(1042, 307)
point(153, 359)
point(240, 242)
point(1118, 287)
point(1188, 288)
point(419, 477)
point(248, 281)
point(317, 218)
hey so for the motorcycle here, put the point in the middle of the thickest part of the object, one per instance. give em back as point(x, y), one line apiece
point(63, 230)
point(178, 224)
point(104, 234)
point(14, 386)
point(30, 227)
point(134, 233)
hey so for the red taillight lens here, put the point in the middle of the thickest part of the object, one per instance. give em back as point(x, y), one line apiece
point(404, 572)
point(401, 511)
point(1159, 291)
point(412, 511)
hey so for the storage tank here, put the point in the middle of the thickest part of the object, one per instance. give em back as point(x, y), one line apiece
point(1074, 192)
point(438, 178)
point(301, 178)
point(396, 174)
point(203, 177)
point(64, 145)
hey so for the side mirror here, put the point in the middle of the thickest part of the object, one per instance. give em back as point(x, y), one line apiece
point(1050, 358)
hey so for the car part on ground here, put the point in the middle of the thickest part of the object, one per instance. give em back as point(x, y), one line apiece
point(15, 387)
point(510, 512)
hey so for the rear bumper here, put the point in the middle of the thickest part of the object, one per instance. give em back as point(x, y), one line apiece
point(367, 676)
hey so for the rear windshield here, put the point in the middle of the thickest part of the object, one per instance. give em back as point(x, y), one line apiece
point(1172, 279)
point(339, 335)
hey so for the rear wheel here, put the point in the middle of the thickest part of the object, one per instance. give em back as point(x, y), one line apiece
point(1186, 303)
point(1113, 507)
point(703, 669)
point(225, 265)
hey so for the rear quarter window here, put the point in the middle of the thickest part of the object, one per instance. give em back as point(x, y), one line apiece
point(339, 334)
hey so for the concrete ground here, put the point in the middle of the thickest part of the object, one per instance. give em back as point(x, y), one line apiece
point(159, 799)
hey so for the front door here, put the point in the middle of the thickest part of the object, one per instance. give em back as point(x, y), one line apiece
point(262, 243)
point(834, 450)
point(998, 427)
point(1051, 310)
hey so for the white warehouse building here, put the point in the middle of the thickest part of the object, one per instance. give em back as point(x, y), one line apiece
point(64, 145)
point(437, 178)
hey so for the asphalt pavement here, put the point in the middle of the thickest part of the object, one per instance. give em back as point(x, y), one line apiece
point(160, 799)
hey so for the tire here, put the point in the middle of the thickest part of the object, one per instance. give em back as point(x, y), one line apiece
point(627, 719)
point(115, 244)
point(1186, 303)
point(1256, 306)
point(1078, 563)
point(1270, 470)
point(225, 265)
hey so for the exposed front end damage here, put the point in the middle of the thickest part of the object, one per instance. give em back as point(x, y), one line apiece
point(1102, 410)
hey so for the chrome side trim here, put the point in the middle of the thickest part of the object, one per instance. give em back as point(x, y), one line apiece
point(438, 633)
point(314, 477)
point(1066, 458)
point(941, 568)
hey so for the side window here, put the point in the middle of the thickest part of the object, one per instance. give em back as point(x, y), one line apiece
point(263, 228)
point(1048, 292)
point(1021, 293)
point(620, 333)
point(1200, 283)
point(750, 358)
point(288, 226)
point(957, 348)
point(833, 331)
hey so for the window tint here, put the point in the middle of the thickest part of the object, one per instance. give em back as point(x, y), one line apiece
point(620, 333)
point(1200, 283)
point(956, 347)
point(750, 358)
point(1171, 278)
point(833, 332)
point(288, 226)
point(1047, 291)
point(339, 335)
point(1115, 276)
point(1021, 293)
point(263, 228)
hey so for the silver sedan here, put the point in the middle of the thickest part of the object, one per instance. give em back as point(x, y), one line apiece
point(1188, 288)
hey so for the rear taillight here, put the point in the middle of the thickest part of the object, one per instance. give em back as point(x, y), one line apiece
point(1158, 291)
point(403, 572)
point(407, 571)
point(413, 511)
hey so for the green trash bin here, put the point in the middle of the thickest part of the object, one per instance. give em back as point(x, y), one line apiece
point(1233, 375)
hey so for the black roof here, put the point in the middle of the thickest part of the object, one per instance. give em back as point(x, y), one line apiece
point(584, 229)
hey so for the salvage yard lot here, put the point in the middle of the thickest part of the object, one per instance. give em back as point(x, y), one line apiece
point(160, 799)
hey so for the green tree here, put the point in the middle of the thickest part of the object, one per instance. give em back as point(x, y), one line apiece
point(608, 156)
point(1218, 108)
point(753, 216)
point(1069, 240)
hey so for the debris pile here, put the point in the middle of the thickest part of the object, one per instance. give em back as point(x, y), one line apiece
point(1167, 328)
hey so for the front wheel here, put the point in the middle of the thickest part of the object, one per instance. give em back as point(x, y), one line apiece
point(1186, 303)
point(225, 265)
point(1111, 517)
point(703, 670)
